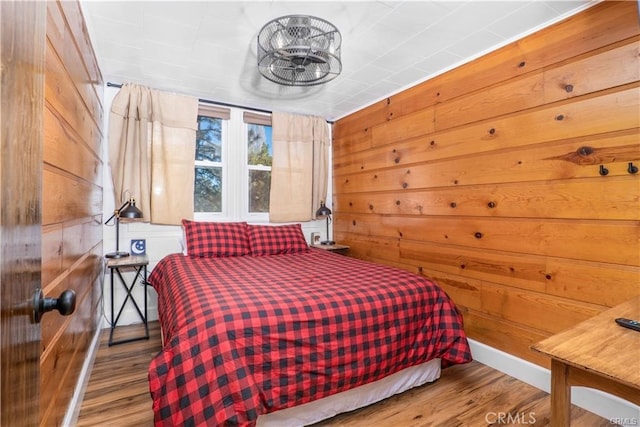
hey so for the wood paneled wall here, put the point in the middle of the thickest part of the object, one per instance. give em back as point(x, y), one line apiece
point(487, 179)
point(71, 203)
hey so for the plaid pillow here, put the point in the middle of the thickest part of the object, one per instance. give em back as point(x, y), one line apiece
point(215, 239)
point(278, 239)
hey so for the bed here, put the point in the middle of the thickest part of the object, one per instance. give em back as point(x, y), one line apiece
point(259, 328)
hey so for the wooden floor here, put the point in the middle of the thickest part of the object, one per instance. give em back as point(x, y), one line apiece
point(466, 395)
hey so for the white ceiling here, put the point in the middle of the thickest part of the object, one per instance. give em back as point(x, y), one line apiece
point(208, 48)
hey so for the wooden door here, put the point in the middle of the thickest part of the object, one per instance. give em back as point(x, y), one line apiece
point(22, 43)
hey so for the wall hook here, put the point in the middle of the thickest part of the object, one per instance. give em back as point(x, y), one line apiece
point(603, 171)
point(632, 169)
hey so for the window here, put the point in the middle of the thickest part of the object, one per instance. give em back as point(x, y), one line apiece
point(232, 165)
point(259, 156)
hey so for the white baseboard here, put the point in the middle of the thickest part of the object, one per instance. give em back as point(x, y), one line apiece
point(73, 410)
point(603, 404)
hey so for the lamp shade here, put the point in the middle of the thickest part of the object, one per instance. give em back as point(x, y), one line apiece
point(131, 211)
point(323, 210)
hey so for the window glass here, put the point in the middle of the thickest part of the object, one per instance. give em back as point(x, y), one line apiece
point(208, 189)
point(209, 139)
point(259, 188)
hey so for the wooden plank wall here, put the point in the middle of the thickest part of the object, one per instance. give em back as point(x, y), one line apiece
point(487, 179)
point(72, 203)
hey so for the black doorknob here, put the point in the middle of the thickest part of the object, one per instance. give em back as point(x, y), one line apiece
point(65, 304)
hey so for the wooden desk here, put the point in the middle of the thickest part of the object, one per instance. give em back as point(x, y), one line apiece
point(596, 353)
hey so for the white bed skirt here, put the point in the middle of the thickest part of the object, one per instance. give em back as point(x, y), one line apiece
point(349, 400)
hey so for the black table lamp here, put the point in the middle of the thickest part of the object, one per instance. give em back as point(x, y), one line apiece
point(127, 210)
point(324, 211)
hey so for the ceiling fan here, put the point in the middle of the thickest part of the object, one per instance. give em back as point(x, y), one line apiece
point(299, 50)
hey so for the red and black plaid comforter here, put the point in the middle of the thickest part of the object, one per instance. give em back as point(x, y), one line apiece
point(249, 335)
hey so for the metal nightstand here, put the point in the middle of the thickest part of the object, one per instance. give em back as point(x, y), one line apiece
point(139, 265)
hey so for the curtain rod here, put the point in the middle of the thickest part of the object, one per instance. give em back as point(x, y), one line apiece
point(224, 104)
point(208, 101)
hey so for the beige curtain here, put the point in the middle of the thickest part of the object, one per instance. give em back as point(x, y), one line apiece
point(299, 171)
point(151, 151)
